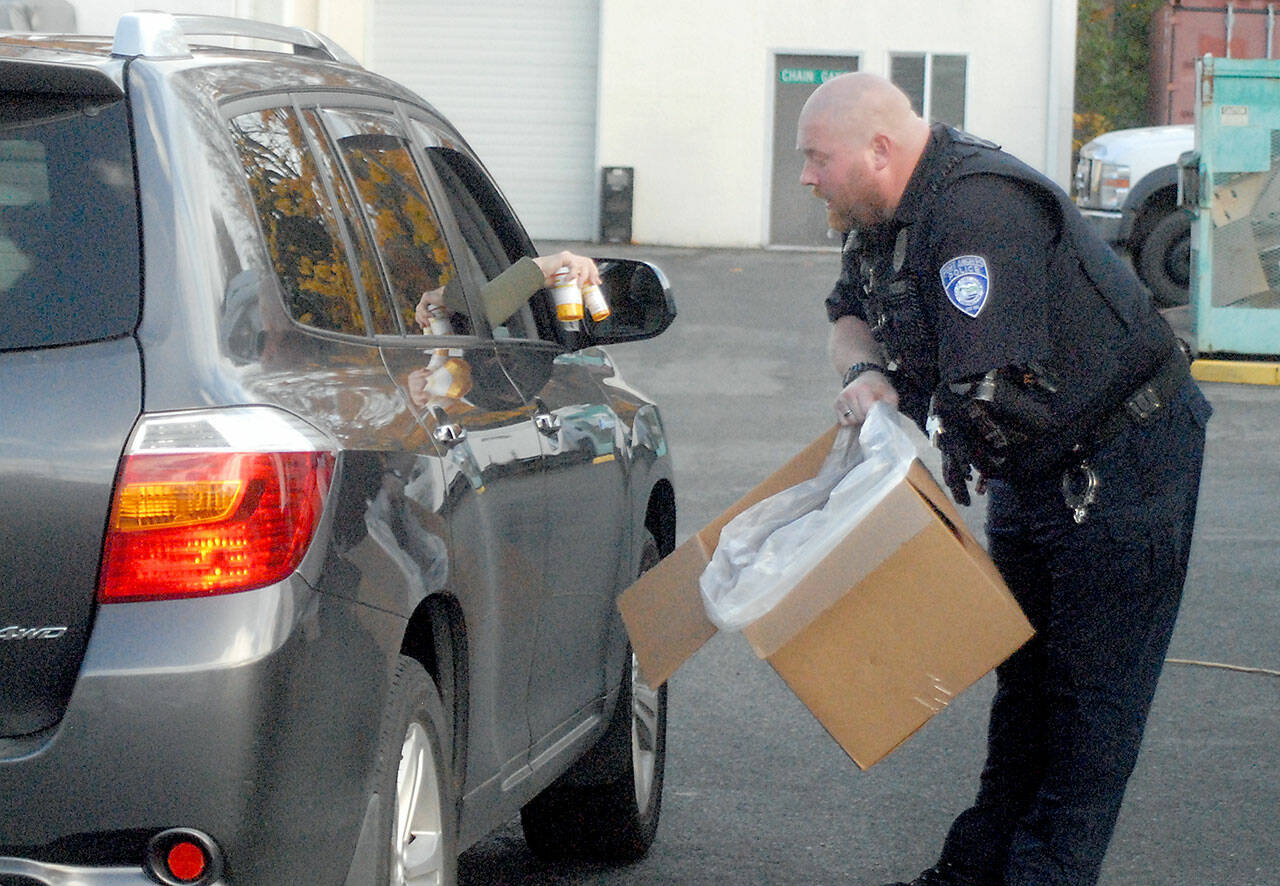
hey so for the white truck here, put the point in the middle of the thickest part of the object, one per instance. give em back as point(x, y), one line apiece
point(1126, 184)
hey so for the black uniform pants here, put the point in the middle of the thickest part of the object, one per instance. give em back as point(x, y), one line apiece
point(1071, 705)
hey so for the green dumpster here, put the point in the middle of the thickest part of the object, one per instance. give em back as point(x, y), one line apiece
point(1235, 191)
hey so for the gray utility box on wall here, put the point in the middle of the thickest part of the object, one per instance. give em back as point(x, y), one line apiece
point(617, 192)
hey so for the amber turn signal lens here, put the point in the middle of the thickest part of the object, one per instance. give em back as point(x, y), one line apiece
point(150, 505)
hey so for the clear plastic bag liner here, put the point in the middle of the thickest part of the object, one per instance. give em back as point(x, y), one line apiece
point(764, 551)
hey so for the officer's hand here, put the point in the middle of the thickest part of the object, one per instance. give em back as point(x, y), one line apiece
point(956, 474)
point(856, 399)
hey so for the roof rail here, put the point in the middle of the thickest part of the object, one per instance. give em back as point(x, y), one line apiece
point(162, 35)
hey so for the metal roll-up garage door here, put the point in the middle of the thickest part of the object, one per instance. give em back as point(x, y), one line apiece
point(518, 78)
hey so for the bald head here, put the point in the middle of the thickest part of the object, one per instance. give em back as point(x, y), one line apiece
point(862, 103)
point(861, 142)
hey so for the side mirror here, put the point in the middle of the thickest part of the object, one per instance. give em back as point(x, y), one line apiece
point(640, 301)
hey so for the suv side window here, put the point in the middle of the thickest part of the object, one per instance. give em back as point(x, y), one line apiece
point(369, 278)
point(302, 227)
point(492, 239)
point(405, 229)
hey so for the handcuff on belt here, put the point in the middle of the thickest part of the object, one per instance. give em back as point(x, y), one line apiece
point(1080, 481)
point(1080, 489)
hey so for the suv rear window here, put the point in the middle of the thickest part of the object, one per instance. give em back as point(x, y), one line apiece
point(68, 222)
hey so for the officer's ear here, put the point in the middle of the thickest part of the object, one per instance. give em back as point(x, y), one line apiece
point(881, 150)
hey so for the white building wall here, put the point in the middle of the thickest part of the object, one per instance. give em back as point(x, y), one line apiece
point(100, 16)
point(342, 20)
point(686, 91)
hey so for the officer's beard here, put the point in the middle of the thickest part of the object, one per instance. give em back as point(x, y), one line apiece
point(838, 221)
point(849, 221)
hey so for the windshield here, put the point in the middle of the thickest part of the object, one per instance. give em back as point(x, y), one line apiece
point(69, 266)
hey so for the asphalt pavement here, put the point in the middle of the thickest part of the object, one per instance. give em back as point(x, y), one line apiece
point(758, 793)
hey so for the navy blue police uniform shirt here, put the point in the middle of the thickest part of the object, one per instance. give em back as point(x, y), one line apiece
point(982, 276)
point(990, 251)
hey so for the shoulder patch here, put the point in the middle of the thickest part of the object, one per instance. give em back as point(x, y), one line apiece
point(967, 283)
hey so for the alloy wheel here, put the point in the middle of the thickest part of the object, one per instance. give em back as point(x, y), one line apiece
point(644, 734)
point(418, 849)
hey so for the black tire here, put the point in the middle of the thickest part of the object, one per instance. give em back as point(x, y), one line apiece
point(1164, 260)
point(418, 815)
point(606, 806)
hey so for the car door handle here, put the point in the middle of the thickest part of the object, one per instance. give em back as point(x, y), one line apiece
point(545, 421)
point(447, 432)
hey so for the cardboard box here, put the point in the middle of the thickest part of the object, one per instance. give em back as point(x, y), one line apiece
point(905, 613)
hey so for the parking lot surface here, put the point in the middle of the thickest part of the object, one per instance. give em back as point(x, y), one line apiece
point(756, 790)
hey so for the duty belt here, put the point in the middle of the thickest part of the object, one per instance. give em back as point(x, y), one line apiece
point(1080, 481)
point(1147, 399)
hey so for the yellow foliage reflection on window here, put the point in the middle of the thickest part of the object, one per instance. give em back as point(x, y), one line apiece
point(301, 226)
point(406, 229)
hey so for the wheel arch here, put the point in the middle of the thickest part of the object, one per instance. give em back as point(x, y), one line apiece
point(1154, 197)
point(436, 638)
point(660, 516)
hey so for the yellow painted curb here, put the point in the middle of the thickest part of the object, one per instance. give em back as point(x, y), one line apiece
point(1243, 372)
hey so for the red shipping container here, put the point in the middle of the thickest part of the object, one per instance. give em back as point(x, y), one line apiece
point(1182, 32)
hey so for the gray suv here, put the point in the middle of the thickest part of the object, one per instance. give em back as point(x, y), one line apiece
point(293, 590)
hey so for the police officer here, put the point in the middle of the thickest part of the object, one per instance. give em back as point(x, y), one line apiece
point(973, 295)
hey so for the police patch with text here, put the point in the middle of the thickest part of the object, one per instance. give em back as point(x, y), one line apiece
point(967, 283)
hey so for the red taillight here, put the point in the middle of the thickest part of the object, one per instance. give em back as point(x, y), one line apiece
point(202, 516)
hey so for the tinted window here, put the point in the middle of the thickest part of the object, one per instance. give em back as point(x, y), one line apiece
point(950, 73)
point(492, 239)
point(303, 232)
point(68, 222)
point(936, 84)
point(406, 231)
point(370, 279)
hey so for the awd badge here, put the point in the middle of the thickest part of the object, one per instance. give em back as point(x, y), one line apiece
point(967, 283)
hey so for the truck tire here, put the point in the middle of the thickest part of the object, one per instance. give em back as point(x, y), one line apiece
point(1164, 259)
point(606, 806)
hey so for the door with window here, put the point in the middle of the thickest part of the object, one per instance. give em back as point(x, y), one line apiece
point(583, 485)
point(480, 427)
